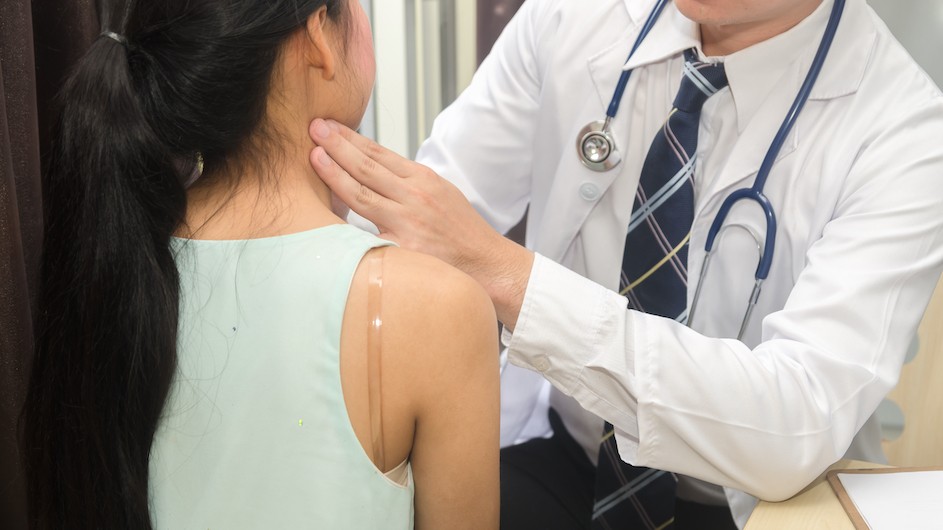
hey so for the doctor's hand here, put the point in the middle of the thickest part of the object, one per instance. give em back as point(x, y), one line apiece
point(419, 210)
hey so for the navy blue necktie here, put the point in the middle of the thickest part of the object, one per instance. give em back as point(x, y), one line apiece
point(654, 279)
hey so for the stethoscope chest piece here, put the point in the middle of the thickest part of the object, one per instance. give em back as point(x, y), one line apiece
point(597, 148)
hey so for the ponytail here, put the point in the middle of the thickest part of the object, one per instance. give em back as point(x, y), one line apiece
point(107, 330)
point(192, 76)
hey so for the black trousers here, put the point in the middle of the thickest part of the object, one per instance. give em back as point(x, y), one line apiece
point(548, 485)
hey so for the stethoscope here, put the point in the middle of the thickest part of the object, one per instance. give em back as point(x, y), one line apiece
point(597, 150)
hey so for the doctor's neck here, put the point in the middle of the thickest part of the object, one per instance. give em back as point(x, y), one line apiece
point(728, 27)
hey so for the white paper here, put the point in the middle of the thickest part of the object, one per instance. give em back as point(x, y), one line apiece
point(892, 501)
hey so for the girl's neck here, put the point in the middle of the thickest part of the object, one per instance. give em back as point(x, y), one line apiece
point(264, 197)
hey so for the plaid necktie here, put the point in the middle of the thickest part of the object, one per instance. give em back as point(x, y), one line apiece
point(654, 279)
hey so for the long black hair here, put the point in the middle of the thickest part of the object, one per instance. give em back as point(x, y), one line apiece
point(167, 79)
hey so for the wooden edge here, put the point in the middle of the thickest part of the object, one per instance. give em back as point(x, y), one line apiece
point(880, 470)
point(849, 505)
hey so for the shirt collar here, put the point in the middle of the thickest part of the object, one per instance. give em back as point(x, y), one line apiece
point(753, 75)
point(672, 34)
point(750, 72)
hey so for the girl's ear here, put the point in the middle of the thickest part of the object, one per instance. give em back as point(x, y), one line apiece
point(318, 51)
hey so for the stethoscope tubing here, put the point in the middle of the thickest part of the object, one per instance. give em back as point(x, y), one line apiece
point(754, 193)
point(626, 74)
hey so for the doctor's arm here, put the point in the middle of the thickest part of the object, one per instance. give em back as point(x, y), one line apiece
point(764, 420)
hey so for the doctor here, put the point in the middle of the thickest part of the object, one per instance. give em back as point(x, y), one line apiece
point(858, 193)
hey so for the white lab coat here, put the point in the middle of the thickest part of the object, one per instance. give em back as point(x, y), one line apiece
point(858, 190)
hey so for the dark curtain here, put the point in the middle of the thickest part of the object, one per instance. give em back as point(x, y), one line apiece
point(493, 15)
point(39, 40)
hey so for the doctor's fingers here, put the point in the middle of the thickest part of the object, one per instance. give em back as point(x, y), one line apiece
point(359, 197)
point(400, 166)
point(356, 163)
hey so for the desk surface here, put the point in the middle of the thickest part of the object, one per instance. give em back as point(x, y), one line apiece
point(816, 506)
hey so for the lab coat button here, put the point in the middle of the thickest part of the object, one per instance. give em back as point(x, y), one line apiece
point(589, 191)
point(541, 364)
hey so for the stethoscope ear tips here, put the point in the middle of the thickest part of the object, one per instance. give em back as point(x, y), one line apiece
point(597, 148)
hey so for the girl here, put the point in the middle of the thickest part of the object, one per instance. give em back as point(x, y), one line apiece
point(211, 354)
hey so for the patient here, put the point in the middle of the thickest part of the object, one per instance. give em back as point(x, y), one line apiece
point(203, 353)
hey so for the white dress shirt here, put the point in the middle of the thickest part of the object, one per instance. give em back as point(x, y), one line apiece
point(858, 191)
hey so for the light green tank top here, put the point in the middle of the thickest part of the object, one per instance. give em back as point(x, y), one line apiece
point(255, 433)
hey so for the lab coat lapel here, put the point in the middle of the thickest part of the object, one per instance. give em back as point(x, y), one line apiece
point(639, 9)
point(569, 206)
point(566, 208)
point(605, 68)
point(671, 34)
point(848, 59)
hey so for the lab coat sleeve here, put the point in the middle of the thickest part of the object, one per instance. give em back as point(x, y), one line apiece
point(766, 420)
point(592, 317)
point(483, 142)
